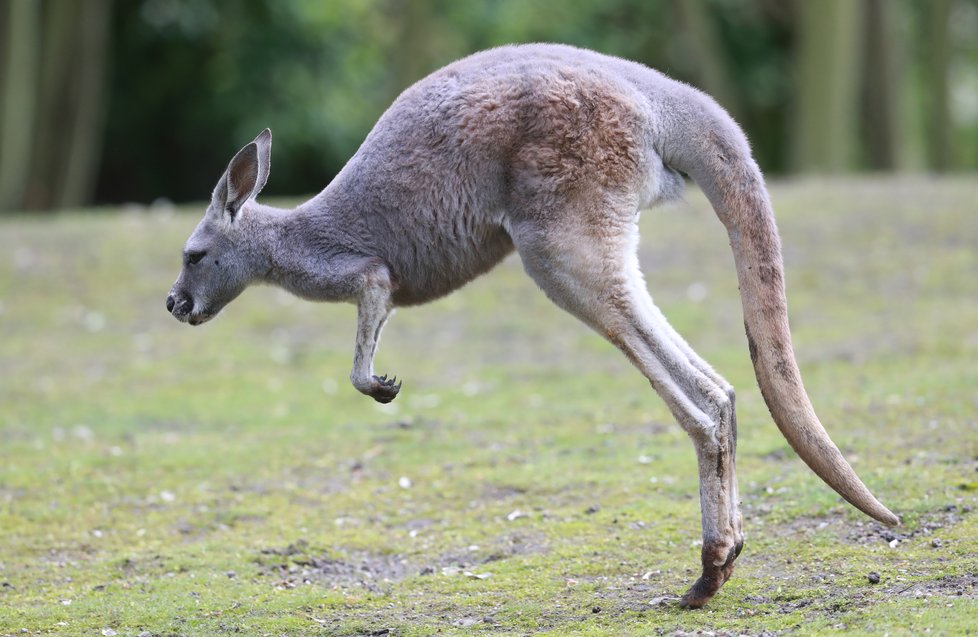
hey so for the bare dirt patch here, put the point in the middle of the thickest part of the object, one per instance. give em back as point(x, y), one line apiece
point(299, 564)
point(965, 586)
point(873, 532)
point(869, 532)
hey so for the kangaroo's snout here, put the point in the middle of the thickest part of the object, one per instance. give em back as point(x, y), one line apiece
point(180, 305)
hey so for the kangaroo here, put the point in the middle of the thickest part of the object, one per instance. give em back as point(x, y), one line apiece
point(550, 151)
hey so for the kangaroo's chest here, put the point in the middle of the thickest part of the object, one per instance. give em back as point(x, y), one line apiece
point(436, 262)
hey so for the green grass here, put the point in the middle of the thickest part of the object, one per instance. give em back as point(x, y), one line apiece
point(227, 479)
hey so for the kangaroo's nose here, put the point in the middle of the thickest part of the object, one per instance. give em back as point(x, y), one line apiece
point(170, 302)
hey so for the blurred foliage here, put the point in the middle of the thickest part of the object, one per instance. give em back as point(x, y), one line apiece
point(190, 81)
point(206, 78)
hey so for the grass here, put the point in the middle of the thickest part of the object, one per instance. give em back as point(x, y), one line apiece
point(162, 480)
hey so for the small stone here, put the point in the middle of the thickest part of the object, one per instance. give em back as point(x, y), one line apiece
point(936, 543)
point(596, 609)
point(464, 622)
point(591, 510)
point(873, 577)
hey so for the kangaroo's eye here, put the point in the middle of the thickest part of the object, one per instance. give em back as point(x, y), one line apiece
point(193, 258)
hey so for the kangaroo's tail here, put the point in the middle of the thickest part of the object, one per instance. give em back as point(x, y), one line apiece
point(701, 140)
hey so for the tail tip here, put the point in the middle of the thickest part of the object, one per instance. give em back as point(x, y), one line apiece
point(888, 518)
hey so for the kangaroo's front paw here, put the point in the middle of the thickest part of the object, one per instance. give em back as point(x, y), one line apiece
point(384, 390)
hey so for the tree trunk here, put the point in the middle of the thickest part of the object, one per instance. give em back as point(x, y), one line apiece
point(827, 76)
point(881, 92)
point(85, 135)
point(938, 110)
point(53, 87)
point(55, 107)
point(19, 55)
point(68, 137)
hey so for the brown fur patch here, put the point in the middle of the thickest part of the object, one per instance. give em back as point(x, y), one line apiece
point(578, 131)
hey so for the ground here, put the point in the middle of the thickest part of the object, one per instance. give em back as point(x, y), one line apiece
point(157, 479)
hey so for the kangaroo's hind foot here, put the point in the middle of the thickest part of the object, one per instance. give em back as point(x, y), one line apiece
point(714, 576)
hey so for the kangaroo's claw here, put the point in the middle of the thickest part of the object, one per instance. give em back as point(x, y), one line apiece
point(384, 389)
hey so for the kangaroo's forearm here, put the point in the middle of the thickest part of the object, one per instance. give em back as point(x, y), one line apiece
point(374, 307)
point(341, 277)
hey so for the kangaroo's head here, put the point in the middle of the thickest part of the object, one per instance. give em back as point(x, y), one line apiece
point(219, 258)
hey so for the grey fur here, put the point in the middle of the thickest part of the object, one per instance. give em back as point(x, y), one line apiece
point(551, 151)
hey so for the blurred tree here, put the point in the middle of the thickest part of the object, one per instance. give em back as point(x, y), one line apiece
point(880, 88)
point(21, 28)
point(53, 94)
point(827, 76)
point(196, 79)
point(819, 85)
point(937, 61)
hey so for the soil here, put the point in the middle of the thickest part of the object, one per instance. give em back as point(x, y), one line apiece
point(298, 563)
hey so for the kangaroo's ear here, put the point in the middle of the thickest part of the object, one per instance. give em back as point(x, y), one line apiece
point(264, 144)
point(245, 177)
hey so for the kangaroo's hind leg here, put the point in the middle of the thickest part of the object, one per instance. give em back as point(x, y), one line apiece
point(591, 270)
point(730, 416)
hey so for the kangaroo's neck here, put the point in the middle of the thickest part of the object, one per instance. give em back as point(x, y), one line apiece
point(304, 250)
point(273, 242)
